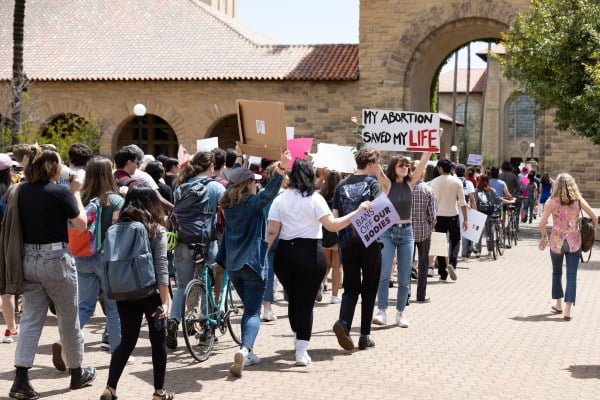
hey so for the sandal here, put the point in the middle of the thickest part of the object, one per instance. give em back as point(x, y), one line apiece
point(166, 395)
point(556, 310)
point(110, 396)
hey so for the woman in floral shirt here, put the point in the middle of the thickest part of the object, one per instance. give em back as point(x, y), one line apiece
point(565, 239)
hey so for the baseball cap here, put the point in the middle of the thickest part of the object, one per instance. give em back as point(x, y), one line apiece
point(241, 175)
point(6, 162)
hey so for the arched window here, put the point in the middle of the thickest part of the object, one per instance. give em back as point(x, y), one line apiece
point(523, 117)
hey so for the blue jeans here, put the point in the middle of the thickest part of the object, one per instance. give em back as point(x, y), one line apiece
point(270, 282)
point(572, 264)
point(397, 240)
point(185, 266)
point(250, 286)
point(90, 278)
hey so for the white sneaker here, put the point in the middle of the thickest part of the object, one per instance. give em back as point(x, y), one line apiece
point(336, 299)
point(131, 360)
point(430, 272)
point(269, 315)
point(401, 319)
point(252, 359)
point(302, 358)
point(451, 272)
point(380, 318)
point(239, 361)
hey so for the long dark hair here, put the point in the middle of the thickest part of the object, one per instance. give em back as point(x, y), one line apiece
point(302, 178)
point(5, 180)
point(331, 182)
point(391, 169)
point(44, 166)
point(142, 205)
point(99, 181)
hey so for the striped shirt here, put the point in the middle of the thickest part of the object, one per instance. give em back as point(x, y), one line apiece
point(424, 210)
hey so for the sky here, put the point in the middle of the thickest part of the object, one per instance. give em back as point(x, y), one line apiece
point(296, 22)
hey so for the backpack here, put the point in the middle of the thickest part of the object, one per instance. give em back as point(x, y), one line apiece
point(464, 183)
point(485, 202)
point(127, 262)
point(124, 184)
point(350, 197)
point(192, 217)
point(88, 242)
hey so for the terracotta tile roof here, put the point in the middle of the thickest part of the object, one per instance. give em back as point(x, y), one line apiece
point(158, 40)
point(496, 48)
point(477, 81)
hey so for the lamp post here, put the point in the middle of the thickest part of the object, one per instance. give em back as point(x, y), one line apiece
point(531, 147)
point(453, 149)
point(139, 110)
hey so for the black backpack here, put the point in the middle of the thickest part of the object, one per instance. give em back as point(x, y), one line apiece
point(485, 202)
point(192, 216)
point(350, 197)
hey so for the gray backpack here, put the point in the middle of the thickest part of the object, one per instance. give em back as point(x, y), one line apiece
point(128, 263)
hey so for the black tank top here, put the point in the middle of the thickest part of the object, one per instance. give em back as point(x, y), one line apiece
point(401, 197)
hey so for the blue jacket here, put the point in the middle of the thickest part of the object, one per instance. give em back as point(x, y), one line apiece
point(245, 229)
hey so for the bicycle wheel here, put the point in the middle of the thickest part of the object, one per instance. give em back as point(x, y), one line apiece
point(515, 231)
point(494, 240)
point(199, 335)
point(585, 257)
point(234, 309)
point(498, 243)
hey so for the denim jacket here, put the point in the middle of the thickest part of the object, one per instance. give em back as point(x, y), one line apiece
point(245, 226)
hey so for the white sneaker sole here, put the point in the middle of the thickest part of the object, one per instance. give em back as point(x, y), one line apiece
point(239, 361)
point(451, 272)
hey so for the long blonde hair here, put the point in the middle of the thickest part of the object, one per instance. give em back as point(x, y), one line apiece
point(566, 190)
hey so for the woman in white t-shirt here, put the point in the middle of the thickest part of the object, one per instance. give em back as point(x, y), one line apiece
point(298, 216)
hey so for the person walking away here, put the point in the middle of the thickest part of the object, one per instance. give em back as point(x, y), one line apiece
point(297, 217)
point(449, 193)
point(361, 265)
point(399, 239)
point(330, 239)
point(48, 268)
point(469, 190)
point(142, 205)
point(565, 207)
point(546, 190)
point(243, 250)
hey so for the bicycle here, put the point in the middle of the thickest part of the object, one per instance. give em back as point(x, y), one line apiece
point(204, 313)
point(512, 231)
point(497, 236)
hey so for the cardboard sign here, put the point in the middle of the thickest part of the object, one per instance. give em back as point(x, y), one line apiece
point(381, 218)
point(298, 147)
point(476, 222)
point(262, 128)
point(401, 130)
point(207, 144)
point(439, 244)
point(474, 159)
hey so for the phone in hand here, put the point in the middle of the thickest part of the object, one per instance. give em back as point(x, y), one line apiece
point(159, 323)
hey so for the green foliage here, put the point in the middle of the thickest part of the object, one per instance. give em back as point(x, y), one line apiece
point(357, 133)
point(70, 128)
point(553, 52)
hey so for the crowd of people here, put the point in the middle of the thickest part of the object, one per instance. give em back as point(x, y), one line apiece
point(291, 222)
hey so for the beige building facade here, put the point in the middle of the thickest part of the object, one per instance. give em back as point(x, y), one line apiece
point(401, 46)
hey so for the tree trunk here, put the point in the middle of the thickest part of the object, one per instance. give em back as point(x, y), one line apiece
point(19, 80)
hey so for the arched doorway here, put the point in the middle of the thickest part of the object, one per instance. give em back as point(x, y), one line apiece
point(226, 129)
point(152, 133)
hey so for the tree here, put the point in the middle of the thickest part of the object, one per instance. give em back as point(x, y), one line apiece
point(19, 80)
point(552, 52)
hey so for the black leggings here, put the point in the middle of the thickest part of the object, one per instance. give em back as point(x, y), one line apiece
point(131, 313)
point(300, 266)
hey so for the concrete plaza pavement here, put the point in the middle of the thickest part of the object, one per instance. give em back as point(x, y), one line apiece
point(489, 335)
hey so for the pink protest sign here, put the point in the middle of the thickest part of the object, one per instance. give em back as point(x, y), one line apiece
point(298, 147)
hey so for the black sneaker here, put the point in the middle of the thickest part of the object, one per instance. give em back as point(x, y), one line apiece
point(23, 392)
point(171, 336)
point(82, 377)
point(343, 335)
point(414, 274)
point(365, 341)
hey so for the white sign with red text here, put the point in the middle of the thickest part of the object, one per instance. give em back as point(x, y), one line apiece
point(401, 130)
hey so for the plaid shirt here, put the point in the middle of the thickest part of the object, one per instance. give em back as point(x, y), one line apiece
point(424, 210)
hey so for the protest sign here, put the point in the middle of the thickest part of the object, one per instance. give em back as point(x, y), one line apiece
point(207, 144)
point(371, 225)
point(439, 244)
point(474, 159)
point(334, 157)
point(262, 128)
point(298, 148)
point(476, 222)
point(401, 130)
point(289, 132)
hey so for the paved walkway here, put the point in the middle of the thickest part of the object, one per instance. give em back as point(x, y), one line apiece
point(489, 335)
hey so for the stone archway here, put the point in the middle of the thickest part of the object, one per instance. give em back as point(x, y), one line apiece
point(226, 129)
point(152, 133)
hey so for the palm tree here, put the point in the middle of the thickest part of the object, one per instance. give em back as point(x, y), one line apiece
point(19, 80)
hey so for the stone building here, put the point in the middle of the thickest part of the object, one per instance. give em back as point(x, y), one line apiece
point(187, 63)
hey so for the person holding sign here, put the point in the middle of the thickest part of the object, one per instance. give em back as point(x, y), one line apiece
point(361, 265)
point(399, 239)
point(296, 215)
